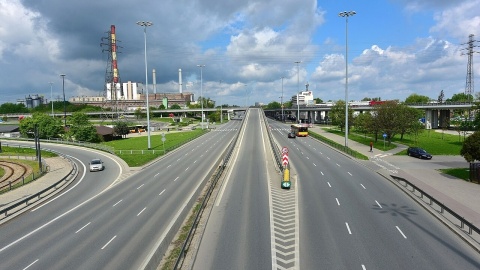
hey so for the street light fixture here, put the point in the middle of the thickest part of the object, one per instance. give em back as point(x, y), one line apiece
point(221, 106)
point(298, 91)
point(64, 106)
point(346, 14)
point(51, 95)
point(145, 25)
point(201, 88)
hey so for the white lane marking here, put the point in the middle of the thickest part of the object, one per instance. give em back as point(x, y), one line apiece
point(329, 184)
point(187, 169)
point(161, 192)
point(363, 267)
point(178, 159)
point(194, 162)
point(141, 211)
point(173, 181)
point(302, 153)
point(157, 174)
point(186, 154)
point(60, 195)
point(338, 164)
point(337, 201)
point(363, 186)
point(83, 227)
point(350, 174)
point(307, 157)
point(169, 166)
point(322, 173)
point(314, 164)
point(378, 204)
point(201, 155)
point(109, 242)
point(117, 203)
point(401, 232)
point(140, 186)
point(321, 153)
point(30, 264)
point(348, 228)
point(328, 158)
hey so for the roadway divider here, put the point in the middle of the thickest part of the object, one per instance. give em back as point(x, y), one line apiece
point(470, 228)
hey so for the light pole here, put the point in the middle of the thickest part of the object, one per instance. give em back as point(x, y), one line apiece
point(346, 14)
point(51, 95)
point(298, 91)
point(145, 25)
point(201, 88)
point(221, 106)
point(64, 106)
point(281, 100)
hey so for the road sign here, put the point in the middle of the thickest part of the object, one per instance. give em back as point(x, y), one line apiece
point(285, 160)
point(384, 135)
point(286, 184)
point(285, 150)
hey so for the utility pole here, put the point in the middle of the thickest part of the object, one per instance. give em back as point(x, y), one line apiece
point(469, 87)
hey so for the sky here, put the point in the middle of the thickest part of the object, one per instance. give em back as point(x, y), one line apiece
point(395, 47)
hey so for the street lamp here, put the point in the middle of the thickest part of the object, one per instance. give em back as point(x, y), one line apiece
point(145, 25)
point(201, 88)
point(51, 95)
point(346, 14)
point(298, 90)
point(281, 100)
point(64, 106)
point(221, 106)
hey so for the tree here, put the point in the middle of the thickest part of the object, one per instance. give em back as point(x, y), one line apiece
point(121, 128)
point(12, 108)
point(337, 115)
point(139, 114)
point(415, 98)
point(273, 105)
point(460, 97)
point(318, 101)
point(175, 107)
point(81, 129)
point(407, 118)
point(48, 127)
point(440, 97)
point(471, 147)
point(363, 122)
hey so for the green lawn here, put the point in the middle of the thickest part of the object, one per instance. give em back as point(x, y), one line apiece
point(19, 151)
point(363, 139)
point(462, 173)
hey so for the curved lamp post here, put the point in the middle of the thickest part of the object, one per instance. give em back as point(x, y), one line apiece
point(145, 25)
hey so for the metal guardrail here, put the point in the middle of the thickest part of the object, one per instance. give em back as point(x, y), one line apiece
point(227, 154)
point(97, 146)
point(471, 228)
point(38, 195)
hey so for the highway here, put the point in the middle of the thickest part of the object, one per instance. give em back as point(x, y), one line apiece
point(346, 215)
point(98, 226)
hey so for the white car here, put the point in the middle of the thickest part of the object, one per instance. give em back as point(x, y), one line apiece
point(96, 165)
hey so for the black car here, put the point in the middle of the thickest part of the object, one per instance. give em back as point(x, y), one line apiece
point(291, 135)
point(418, 152)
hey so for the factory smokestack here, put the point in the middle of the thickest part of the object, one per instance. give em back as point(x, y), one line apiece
point(154, 82)
point(180, 80)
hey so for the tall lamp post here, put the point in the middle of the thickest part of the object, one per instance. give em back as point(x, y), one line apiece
point(281, 99)
point(298, 90)
point(346, 14)
point(201, 88)
point(145, 25)
point(51, 95)
point(221, 106)
point(64, 106)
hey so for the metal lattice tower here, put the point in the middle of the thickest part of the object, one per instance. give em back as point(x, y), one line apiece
point(113, 91)
point(469, 84)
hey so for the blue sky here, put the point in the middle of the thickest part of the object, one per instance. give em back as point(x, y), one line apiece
point(396, 47)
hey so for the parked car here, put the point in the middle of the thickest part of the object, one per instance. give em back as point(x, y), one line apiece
point(96, 165)
point(291, 135)
point(418, 152)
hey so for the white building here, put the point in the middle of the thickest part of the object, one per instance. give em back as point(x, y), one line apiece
point(131, 91)
point(304, 98)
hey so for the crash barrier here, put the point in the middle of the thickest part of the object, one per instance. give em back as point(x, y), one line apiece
point(220, 169)
point(276, 151)
point(431, 201)
point(38, 195)
point(97, 146)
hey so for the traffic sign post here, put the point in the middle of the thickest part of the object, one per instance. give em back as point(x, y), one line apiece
point(384, 136)
point(163, 141)
point(286, 172)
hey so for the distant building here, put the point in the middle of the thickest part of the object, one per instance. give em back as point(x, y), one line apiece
point(304, 97)
point(32, 101)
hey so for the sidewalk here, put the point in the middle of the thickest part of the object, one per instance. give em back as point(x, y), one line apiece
point(460, 196)
point(59, 168)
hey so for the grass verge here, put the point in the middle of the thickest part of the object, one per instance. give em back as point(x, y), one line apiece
point(338, 146)
point(462, 173)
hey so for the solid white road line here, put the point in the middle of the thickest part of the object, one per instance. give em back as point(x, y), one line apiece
point(401, 232)
point(378, 204)
point(348, 228)
point(83, 227)
point(109, 242)
point(30, 264)
point(117, 203)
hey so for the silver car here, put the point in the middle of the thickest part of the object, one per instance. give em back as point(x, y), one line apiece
point(96, 165)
